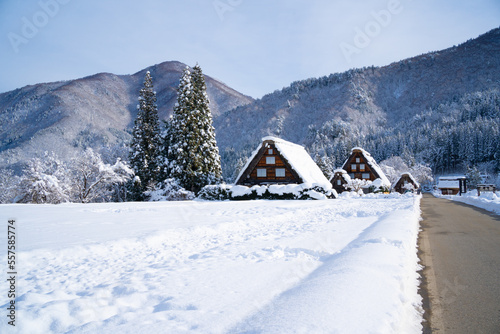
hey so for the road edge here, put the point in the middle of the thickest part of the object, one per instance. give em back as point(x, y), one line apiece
point(433, 312)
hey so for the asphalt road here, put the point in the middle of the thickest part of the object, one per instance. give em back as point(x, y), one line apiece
point(460, 249)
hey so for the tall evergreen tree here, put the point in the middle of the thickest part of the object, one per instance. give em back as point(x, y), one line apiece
point(193, 152)
point(144, 148)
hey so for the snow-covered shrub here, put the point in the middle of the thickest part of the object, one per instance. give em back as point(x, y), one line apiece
point(357, 185)
point(362, 187)
point(217, 192)
point(169, 190)
point(45, 181)
point(379, 186)
point(271, 192)
point(409, 187)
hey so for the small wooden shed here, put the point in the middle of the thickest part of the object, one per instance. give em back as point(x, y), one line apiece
point(339, 179)
point(277, 161)
point(406, 183)
point(452, 185)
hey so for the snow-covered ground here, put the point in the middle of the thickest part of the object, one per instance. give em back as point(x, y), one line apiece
point(488, 200)
point(335, 266)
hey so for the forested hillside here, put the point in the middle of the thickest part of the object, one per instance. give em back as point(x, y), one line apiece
point(95, 112)
point(440, 108)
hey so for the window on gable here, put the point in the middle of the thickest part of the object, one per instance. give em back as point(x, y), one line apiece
point(353, 167)
point(280, 172)
point(270, 160)
point(270, 151)
point(339, 183)
point(358, 160)
point(361, 167)
point(365, 176)
point(261, 172)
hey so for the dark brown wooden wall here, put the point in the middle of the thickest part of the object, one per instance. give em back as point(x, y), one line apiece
point(271, 170)
point(335, 186)
point(359, 173)
point(399, 185)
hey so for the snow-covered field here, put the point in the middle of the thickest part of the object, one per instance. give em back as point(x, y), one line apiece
point(335, 266)
point(488, 200)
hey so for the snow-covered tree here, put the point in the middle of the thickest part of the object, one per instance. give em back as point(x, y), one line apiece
point(144, 148)
point(473, 177)
point(9, 184)
point(325, 164)
point(357, 185)
point(395, 166)
point(169, 190)
point(164, 172)
point(45, 181)
point(240, 163)
point(422, 173)
point(193, 153)
point(92, 179)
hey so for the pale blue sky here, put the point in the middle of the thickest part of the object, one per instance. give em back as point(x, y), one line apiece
point(254, 46)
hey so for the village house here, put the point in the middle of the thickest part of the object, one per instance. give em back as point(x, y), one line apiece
point(452, 185)
point(339, 179)
point(277, 161)
point(361, 165)
point(405, 184)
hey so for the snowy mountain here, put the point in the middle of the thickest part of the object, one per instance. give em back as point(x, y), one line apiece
point(66, 117)
point(371, 107)
point(440, 108)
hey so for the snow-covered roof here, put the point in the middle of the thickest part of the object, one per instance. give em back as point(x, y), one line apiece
point(411, 178)
point(343, 174)
point(299, 160)
point(452, 178)
point(448, 184)
point(373, 165)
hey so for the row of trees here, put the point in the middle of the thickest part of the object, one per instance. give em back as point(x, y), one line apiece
point(85, 178)
point(450, 138)
point(173, 160)
point(183, 154)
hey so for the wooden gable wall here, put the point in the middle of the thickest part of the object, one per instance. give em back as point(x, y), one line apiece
point(401, 182)
point(362, 169)
point(263, 161)
point(335, 182)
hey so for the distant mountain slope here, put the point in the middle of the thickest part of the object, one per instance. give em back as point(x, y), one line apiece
point(366, 101)
point(97, 110)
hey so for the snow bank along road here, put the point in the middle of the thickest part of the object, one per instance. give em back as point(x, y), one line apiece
point(461, 248)
point(345, 265)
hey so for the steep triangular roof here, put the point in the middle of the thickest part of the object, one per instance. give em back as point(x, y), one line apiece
point(295, 156)
point(343, 176)
point(405, 177)
point(342, 173)
point(407, 174)
point(375, 168)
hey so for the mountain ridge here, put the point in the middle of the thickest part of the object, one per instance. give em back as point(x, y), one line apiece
point(96, 110)
point(370, 100)
point(333, 112)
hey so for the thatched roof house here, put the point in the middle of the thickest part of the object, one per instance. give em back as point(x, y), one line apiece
point(277, 161)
